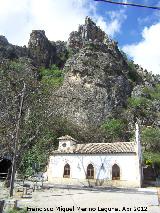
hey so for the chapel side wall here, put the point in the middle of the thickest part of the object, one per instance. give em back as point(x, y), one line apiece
point(129, 169)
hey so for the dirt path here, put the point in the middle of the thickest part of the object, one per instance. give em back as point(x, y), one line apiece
point(77, 200)
point(57, 200)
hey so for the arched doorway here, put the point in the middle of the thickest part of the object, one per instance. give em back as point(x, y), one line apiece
point(66, 173)
point(5, 165)
point(90, 172)
point(115, 172)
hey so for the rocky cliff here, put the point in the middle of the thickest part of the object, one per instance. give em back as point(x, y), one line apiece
point(43, 52)
point(85, 87)
point(9, 51)
point(96, 83)
point(98, 79)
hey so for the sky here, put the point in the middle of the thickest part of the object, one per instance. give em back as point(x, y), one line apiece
point(137, 30)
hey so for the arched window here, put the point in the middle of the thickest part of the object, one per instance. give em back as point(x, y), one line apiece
point(115, 172)
point(66, 173)
point(90, 171)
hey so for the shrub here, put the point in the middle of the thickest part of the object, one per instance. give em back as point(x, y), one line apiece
point(114, 128)
point(132, 71)
point(151, 139)
point(132, 74)
point(152, 159)
point(52, 77)
point(35, 159)
point(17, 65)
point(153, 93)
point(139, 102)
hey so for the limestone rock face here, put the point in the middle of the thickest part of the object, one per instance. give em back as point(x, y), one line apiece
point(61, 53)
point(40, 48)
point(45, 52)
point(87, 32)
point(146, 80)
point(96, 83)
point(9, 51)
point(3, 41)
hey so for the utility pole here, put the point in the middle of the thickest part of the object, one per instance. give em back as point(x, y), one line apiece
point(16, 143)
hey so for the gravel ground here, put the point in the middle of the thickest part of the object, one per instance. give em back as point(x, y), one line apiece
point(91, 200)
point(3, 191)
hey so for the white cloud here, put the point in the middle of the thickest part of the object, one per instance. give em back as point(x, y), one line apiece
point(111, 28)
point(147, 52)
point(114, 23)
point(58, 18)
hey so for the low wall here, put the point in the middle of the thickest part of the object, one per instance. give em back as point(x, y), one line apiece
point(94, 182)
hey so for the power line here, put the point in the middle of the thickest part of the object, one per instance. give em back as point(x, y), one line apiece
point(130, 4)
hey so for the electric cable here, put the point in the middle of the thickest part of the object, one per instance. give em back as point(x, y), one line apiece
point(130, 4)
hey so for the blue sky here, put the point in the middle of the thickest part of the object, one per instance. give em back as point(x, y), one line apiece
point(137, 30)
point(135, 19)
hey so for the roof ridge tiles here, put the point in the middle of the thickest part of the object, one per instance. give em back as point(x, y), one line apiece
point(94, 148)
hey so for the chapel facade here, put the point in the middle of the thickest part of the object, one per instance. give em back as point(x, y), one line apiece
point(103, 164)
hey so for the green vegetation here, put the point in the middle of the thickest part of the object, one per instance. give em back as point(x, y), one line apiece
point(153, 93)
point(143, 107)
point(17, 211)
point(151, 158)
point(114, 129)
point(133, 75)
point(138, 102)
point(34, 117)
point(132, 72)
point(18, 66)
point(151, 139)
point(35, 159)
point(52, 77)
point(39, 129)
point(91, 46)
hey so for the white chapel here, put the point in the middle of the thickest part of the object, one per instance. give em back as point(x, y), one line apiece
point(102, 164)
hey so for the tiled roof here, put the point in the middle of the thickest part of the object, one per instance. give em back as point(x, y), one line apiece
point(99, 148)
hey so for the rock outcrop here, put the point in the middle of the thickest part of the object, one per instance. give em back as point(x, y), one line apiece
point(62, 53)
point(96, 83)
point(40, 49)
point(87, 32)
point(45, 52)
point(98, 79)
point(9, 51)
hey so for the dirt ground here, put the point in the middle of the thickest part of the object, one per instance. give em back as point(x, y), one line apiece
point(63, 199)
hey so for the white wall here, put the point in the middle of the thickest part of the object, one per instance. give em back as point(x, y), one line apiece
point(128, 163)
